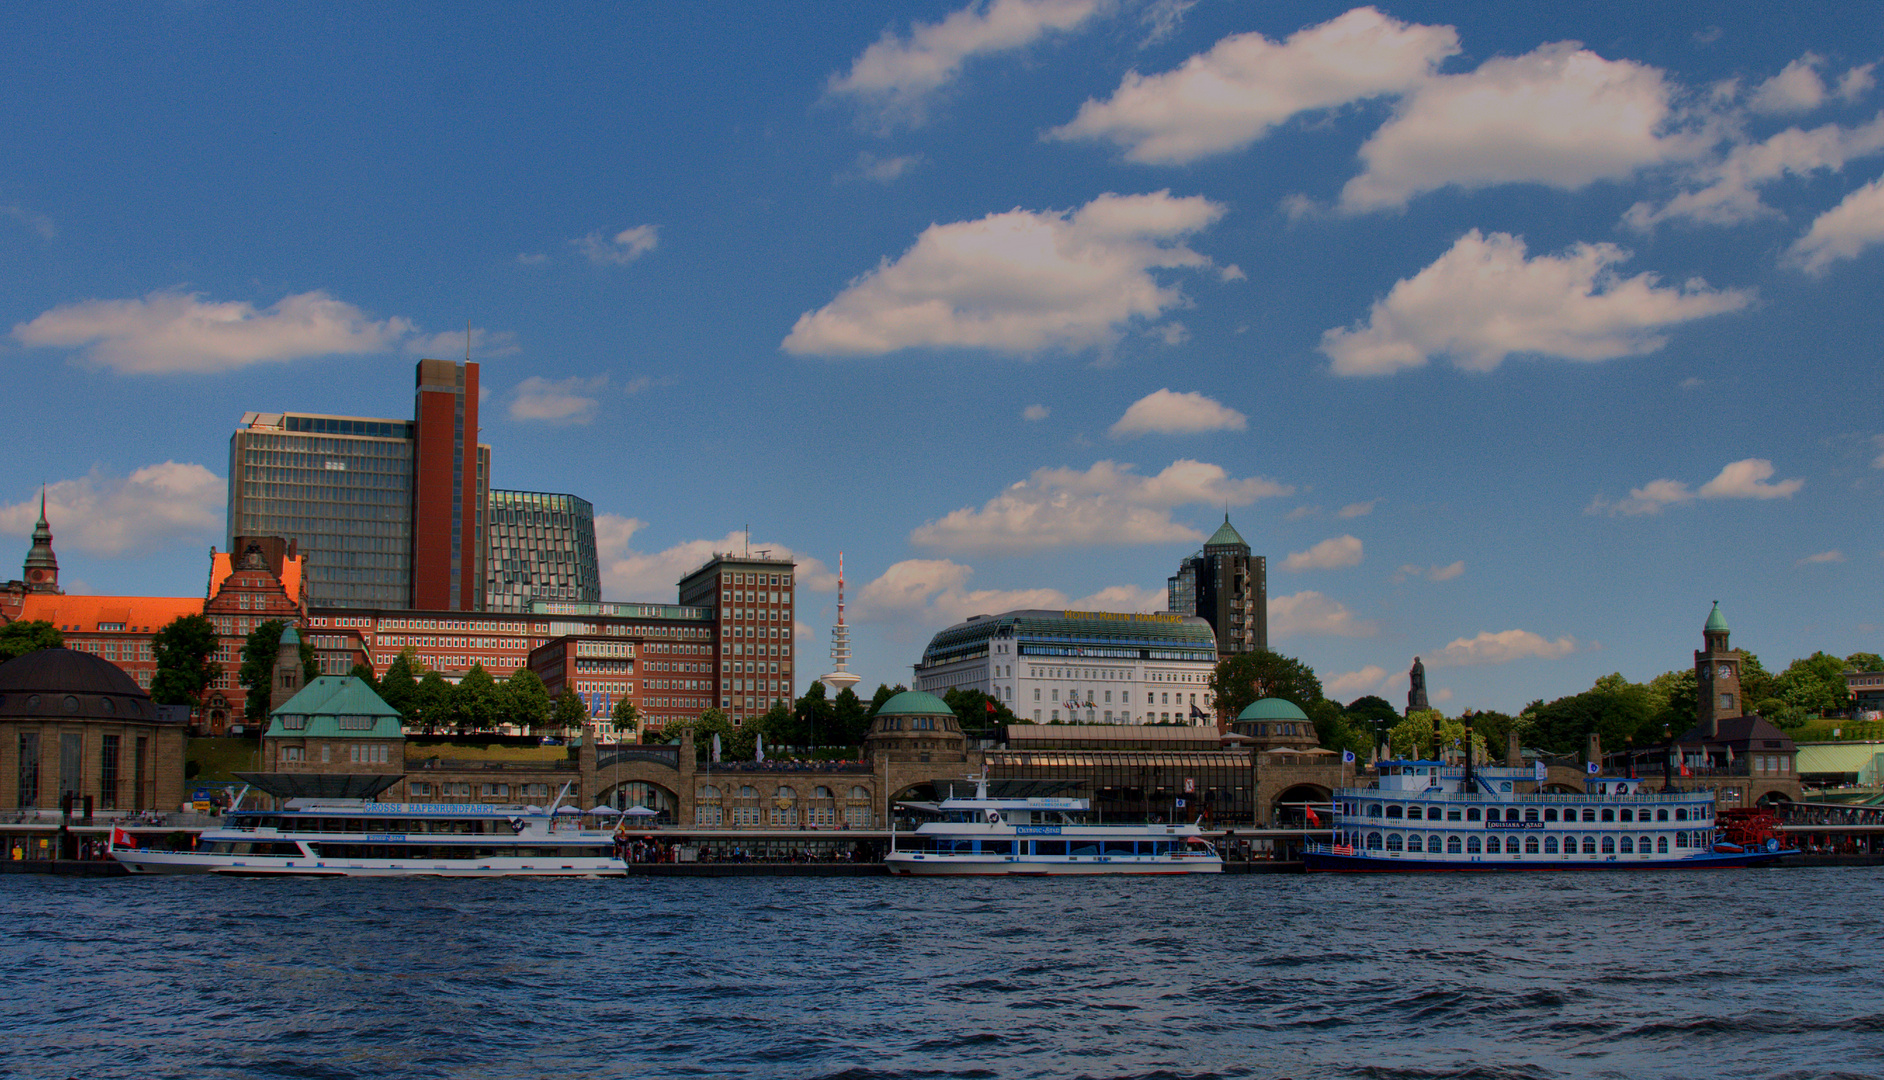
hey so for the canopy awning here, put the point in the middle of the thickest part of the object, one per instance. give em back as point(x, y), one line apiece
point(290, 785)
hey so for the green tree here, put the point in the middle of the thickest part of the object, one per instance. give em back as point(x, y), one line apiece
point(1619, 712)
point(981, 716)
point(29, 635)
point(527, 700)
point(710, 723)
point(476, 703)
point(1812, 686)
point(1335, 731)
point(1756, 683)
point(1493, 729)
point(627, 718)
point(257, 674)
point(570, 712)
point(431, 702)
point(1673, 695)
point(185, 651)
point(1413, 737)
point(850, 720)
point(1249, 677)
point(399, 687)
point(363, 673)
point(813, 718)
point(1864, 661)
point(883, 694)
point(1373, 716)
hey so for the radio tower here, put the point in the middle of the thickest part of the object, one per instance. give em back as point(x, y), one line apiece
point(839, 679)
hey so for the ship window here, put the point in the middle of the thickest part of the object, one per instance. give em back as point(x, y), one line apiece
point(1394, 811)
point(1373, 841)
point(1681, 839)
point(1626, 815)
point(1588, 814)
point(1452, 845)
point(1373, 809)
point(1432, 813)
point(1550, 845)
point(1471, 813)
point(1661, 845)
point(1550, 813)
point(1471, 845)
point(1589, 845)
point(997, 847)
point(1530, 813)
point(1452, 814)
point(1394, 842)
point(1681, 813)
point(1049, 847)
point(1120, 847)
point(1662, 814)
point(1511, 813)
point(1432, 844)
point(1530, 845)
point(1082, 847)
point(1609, 845)
point(1628, 846)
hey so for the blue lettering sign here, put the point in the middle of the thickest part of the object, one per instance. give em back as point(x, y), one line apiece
point(1514, 824)
point(1037, 830)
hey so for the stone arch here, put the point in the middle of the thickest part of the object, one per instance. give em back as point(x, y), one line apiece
point(649, 793)
point(1775, 798)
point(1555, 788)
point(1285, 810)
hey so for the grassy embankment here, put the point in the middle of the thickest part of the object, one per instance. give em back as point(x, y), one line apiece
point(1848, 731)
point(218, 759)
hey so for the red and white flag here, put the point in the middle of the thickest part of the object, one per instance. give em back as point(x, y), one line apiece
point(121, 838)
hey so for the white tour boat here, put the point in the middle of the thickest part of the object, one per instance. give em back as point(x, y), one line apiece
point(1430, 816)
point(1041, 835)
point(359, 838)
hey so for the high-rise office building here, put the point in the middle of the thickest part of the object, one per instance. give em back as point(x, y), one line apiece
point(388, 513)
point(752, 598)
point(1229, 588)
point(541, 547)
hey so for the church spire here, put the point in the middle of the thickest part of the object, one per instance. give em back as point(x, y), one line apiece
point(42, 566)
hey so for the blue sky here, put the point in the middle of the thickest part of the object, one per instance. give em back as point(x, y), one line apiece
point(1512, 336)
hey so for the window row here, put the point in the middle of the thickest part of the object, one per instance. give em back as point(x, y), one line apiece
point(1529, 813)
point(1533, 845)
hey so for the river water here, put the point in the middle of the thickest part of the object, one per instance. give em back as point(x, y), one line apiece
point(1750, 973)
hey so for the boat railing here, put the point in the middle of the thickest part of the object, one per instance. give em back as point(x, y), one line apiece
point(1540, 798)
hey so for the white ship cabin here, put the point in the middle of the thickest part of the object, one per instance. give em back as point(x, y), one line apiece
point(1426, 809)
point(960, 806)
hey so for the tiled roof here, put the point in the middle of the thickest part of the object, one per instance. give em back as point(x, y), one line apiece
point(328, 698)
point(83, 614)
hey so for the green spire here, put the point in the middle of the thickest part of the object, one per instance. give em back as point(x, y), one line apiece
point(1715, 621)
point(1225, 536)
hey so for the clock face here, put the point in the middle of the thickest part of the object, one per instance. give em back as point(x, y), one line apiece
point(1724, 672)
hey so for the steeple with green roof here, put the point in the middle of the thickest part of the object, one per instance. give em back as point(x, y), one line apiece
point(1226, 536)
point(1715, 620)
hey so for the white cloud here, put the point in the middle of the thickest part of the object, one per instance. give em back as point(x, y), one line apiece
point(1692, 382)
point(39, 224)
point(1170, 413)
point(1233, 95)
point(621, 249)
point(1035, 413)
point(1747, 479)
point(1331, 554)
point(1502, 648)
point(1560, 116)
point(1017, 282)
point(1857, 82)
point(558, 401)
point(1106, 504)
point(1310, 614)
point(1302, 512)
point(1161, 18)
point(110, 515)
point(1878, 461)
point(896, 78)
point(451, 344)
point(1484, 300)
point(881, 170)
point(1359, 509)
point(932, 590)
point(1347, 686)
point(1823, 557)
point(170, 332)
point(1430, 573)
point(1744, 479)
point(628, 574)
point(1728, 191)
point(1797, 88)
point(1842, 232)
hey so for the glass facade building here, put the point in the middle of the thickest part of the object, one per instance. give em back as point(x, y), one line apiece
point(541, 548)
point(342, 487)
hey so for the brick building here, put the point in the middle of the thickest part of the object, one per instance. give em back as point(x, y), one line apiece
point(72, 722)
point(752, 599)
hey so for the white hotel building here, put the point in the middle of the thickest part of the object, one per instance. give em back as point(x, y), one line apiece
point(1087, 667)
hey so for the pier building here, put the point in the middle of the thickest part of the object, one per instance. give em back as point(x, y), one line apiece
point(72, 723)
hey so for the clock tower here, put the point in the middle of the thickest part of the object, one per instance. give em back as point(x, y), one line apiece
point(1716, 676)
point(42, 566)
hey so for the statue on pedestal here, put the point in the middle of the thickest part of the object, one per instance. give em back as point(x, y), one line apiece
point(1416, 688)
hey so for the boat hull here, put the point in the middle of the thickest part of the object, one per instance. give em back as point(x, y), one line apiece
point(189, 862)
point(1322, 861)
point(908, 864)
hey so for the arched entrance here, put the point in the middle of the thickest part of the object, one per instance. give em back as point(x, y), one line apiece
point(1289, 811)
point(641, 795)
point(1774, 799)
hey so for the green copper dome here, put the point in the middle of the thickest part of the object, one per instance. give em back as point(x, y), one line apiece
point(1272, 708)
point(915, 703)
point(1225, 536)
point(1715, 620)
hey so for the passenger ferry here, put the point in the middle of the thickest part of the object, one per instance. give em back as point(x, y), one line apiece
point(1426, 815)
point(1041, 835)
point(359, 838)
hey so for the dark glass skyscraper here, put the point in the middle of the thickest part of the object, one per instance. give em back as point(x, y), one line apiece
point(542, 547)
point(1229, 588)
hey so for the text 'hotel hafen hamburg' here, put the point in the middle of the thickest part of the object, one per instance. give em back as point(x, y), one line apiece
point(1084, 667)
